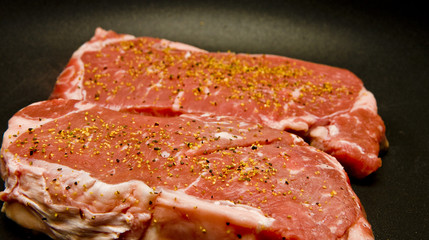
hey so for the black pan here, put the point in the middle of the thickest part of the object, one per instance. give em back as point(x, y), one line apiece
point(386, 45)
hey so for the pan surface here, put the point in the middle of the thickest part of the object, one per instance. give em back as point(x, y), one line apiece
point(384, 44)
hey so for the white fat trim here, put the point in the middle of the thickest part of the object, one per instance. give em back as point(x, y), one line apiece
point(352, 145)
point(334, 164)
point(72, 76)
point(29, 191)
point(223, 202)
point(333, 130)
point(285, 107)
point(180, 46)
point(119, 74)
point(294, 171)
point(333, 229)
point(241, 215)
point(296, 139)
point(243, 124)
point(21, 125)
point(93, 46)
point(157, 84)
point(77, 72)
point(319, 132)
point(165, 154)
point(296, 93)
point(206, 114)
point(153, 86)
point(187, 54)
point(365, 100)
point(358, 231)
point(294, 123)
point(24, 216)
point(81, 106)
point(177, 101)
point(324, 132)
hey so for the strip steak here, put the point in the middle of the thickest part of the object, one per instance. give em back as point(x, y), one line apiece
point(75, 170)
point(327, 106)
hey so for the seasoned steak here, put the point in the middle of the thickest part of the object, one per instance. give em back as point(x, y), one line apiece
point(75, 170)
point(327, 106)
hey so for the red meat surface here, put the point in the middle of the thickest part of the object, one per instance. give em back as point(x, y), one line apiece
point(327, 106)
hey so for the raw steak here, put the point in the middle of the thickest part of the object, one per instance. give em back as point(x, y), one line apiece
point(75, 170)
point(327, 106)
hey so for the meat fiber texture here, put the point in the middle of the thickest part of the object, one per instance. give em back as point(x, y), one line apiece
point(327, 106)
point(75, 170)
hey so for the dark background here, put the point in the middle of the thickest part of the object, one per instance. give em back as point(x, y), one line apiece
point(385, 43)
